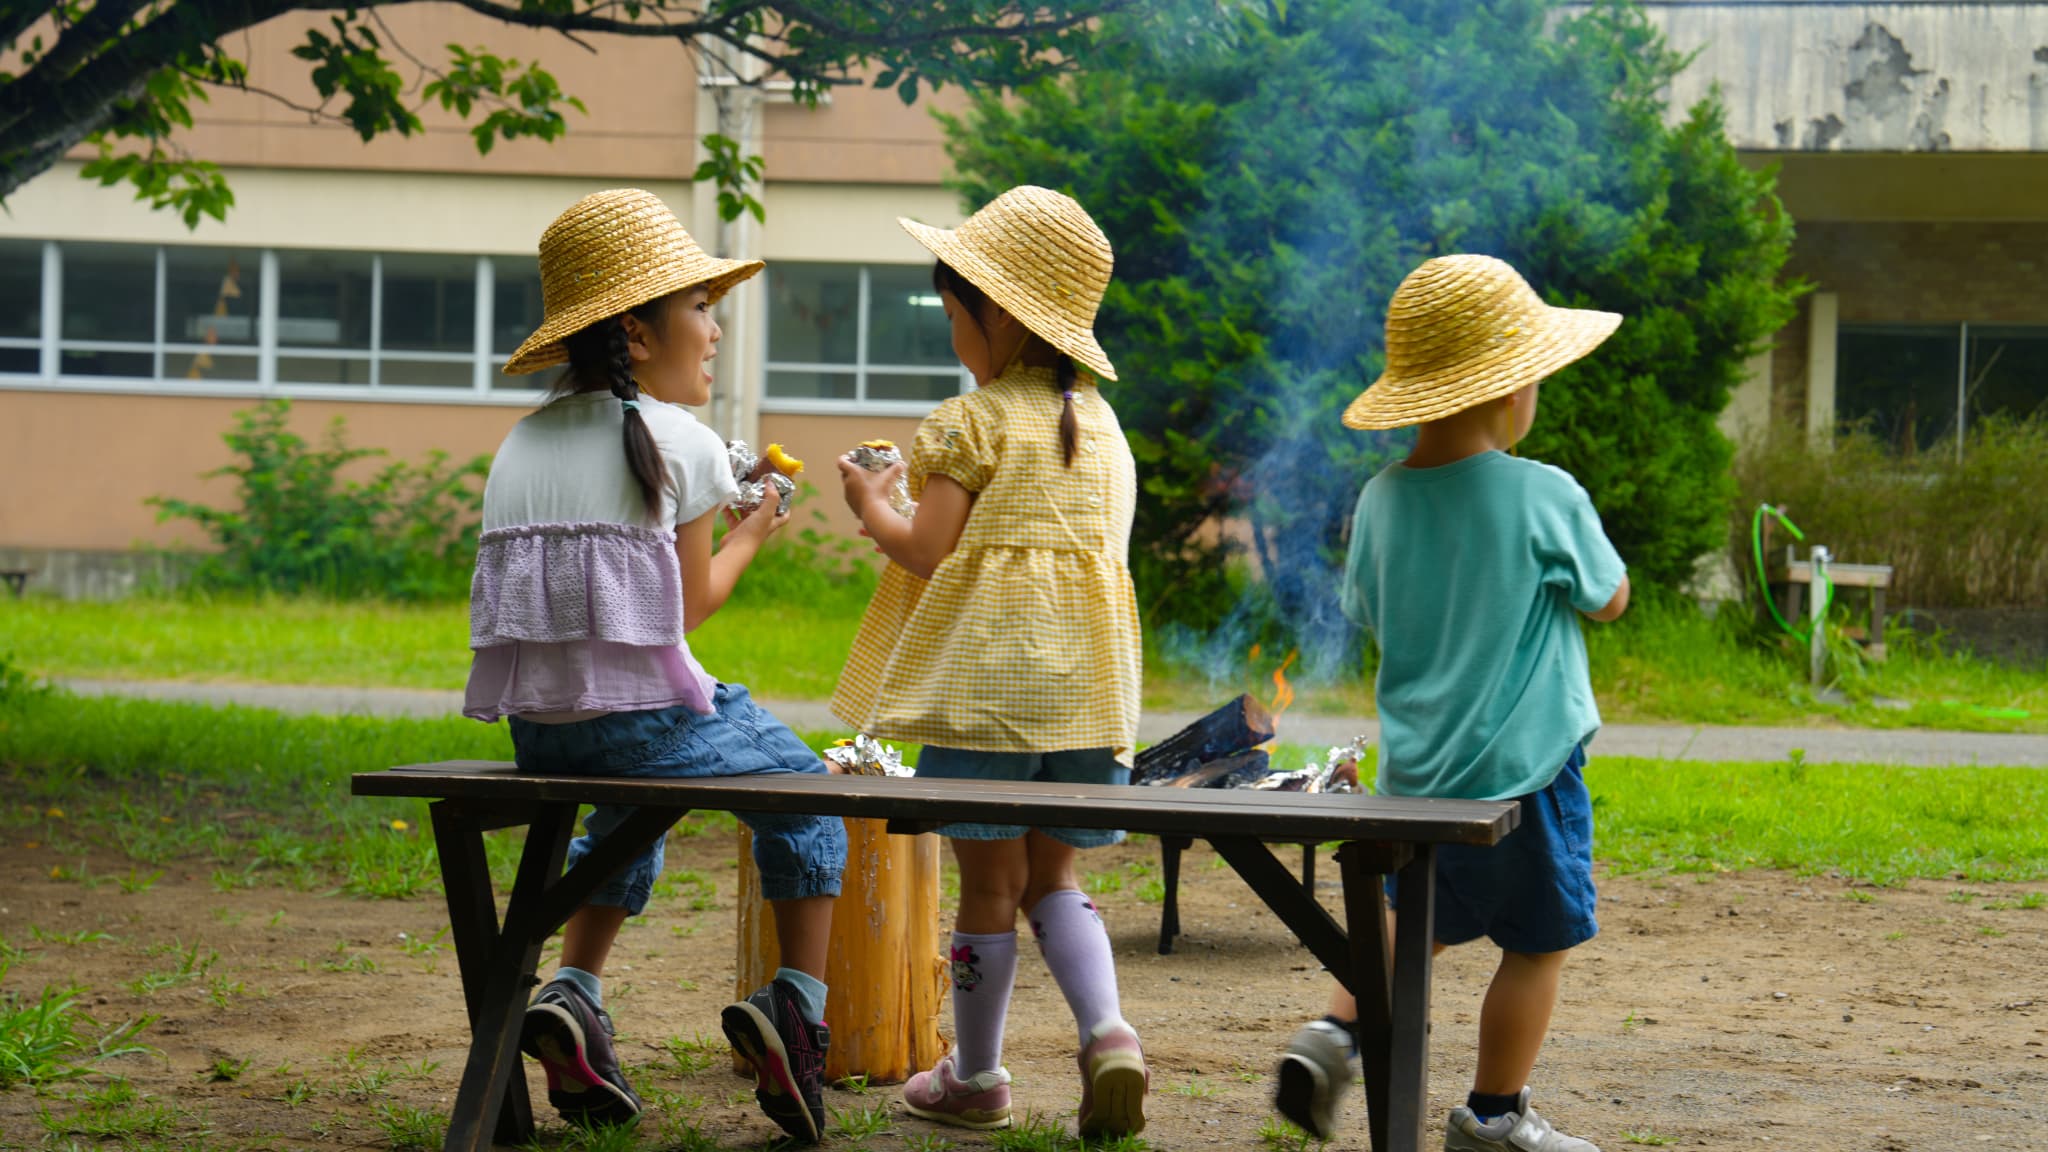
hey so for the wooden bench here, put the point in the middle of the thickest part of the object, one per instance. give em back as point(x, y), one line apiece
point(1379, 836)
point(1793, 575)
point(16, 579)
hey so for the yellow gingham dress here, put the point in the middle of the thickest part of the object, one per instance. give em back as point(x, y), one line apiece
point(1025, 639)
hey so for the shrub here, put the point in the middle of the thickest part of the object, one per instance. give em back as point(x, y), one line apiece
point(1969, 533)
point(298, 526)
point(1269, 172)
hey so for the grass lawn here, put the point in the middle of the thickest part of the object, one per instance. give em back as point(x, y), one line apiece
point(264, 797)
point(1659, 664)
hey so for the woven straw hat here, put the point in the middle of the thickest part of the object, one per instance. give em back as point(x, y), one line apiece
point(1463, 330)
point(1039, 255)
point(610, 252)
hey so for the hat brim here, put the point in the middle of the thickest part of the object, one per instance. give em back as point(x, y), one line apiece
point(1037, 316)
point(1565, 335)
point(544, 349)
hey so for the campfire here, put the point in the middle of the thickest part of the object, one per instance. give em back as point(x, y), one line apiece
point(1231, 748)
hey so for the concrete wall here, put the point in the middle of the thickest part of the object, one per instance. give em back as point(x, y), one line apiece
point(1913, 77)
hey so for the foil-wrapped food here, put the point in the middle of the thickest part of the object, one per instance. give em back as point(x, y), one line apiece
point(866, 756)
point(878, 456)
point(1338, 772)
point(756, 474)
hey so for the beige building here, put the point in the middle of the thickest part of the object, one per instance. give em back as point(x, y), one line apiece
point(386, 283)
point(1912, 140)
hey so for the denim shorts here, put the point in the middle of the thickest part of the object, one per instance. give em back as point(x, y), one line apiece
point(1533, 891)
point(1085, 766)
point(797, 856)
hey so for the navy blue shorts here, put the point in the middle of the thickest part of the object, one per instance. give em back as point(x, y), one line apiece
point(1533, 891)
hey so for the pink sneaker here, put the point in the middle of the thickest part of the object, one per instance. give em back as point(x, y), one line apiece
point(1114, 1081)
point(980, 1101)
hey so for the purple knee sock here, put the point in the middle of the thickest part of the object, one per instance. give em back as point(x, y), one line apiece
point(1076, 948)
point(984, 968)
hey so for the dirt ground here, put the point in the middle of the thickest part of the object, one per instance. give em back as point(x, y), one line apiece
point(1712, 1012)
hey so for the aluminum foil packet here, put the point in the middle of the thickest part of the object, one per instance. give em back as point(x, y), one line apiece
point(877, 456)
point(754, 479)
point(866, 756)
point(1338, 772)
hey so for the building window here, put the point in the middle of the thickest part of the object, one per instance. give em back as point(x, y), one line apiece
point(188, 316)
point(1913, 386)
point(21, 307)
point(516, 312)
point(841, 335)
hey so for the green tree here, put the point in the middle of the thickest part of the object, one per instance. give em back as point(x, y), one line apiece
point(123, 75)
point(1269, 173)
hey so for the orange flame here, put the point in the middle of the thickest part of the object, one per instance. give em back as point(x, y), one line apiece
point(1283, 692)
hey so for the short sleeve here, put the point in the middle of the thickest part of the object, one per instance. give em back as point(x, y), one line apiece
point(1573, 548)
point(1356, 563)
point(699, 474)
point(953, 442)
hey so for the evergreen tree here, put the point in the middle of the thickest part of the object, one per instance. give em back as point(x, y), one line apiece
point(1269, 173)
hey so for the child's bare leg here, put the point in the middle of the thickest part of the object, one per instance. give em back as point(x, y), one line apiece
point(587, 937)
point(804, 928)
point(993, 876)
point(1514, 1020)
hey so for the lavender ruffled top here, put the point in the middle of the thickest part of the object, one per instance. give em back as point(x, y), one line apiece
point(579, 617)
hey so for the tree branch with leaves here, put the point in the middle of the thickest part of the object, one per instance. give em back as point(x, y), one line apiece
point(122, 76)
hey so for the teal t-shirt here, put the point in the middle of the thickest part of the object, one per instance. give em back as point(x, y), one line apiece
point(1472, 576)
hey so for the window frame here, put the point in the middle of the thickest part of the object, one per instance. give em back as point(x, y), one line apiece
point(1966, 364)
point(860, 369)
point(485, 385)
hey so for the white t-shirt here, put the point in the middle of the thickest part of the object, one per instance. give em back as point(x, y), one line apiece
point(566, 464)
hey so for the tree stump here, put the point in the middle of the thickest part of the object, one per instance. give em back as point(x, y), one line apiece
point(885, 972)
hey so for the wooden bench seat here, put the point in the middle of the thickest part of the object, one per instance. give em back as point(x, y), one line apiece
point(1378, 836)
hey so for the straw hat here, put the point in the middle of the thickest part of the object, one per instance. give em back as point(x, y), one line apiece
point(610, 252)
point(1463, 330)
point(1039, 255)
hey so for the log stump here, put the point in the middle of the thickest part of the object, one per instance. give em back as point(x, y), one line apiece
point(885, 971)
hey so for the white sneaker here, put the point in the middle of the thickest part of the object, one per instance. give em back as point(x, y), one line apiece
point(1312, 1077)
point(1519, 1131)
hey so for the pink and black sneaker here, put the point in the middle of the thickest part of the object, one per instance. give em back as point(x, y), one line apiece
point(572, 1039)
point(788, 1055)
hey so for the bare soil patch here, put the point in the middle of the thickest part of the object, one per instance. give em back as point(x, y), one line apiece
point(1713, 1011)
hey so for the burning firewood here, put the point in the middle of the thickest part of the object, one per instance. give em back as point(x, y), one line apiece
point(1230, 772)
point(1229, 731)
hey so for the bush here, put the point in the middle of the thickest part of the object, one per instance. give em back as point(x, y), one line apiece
point(409, 533)
point(1269, 173)
point(1962, 534)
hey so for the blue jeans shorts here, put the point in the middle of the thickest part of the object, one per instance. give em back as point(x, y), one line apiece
point(1533, 891)
point(1085, 766)
point(797, 856)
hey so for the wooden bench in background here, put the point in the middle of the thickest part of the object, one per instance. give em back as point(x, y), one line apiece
point(16, 579)
point(1789, 580)
point(1378, 836)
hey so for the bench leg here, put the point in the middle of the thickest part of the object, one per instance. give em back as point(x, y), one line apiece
point(1877, 624)
point(508, 972)
point(473, 921)
point(1170, 848)
point(1414, 943)
point(1365, 913)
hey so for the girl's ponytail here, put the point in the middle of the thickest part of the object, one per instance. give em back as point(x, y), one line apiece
point(601, 353)
point(1069, 429)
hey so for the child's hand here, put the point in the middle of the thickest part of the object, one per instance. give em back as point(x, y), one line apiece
point(863, 488)
point(766, 517)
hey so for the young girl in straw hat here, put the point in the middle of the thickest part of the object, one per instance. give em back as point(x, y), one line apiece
point(1472, 568)
point(596, 558)
point(1004, 634)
